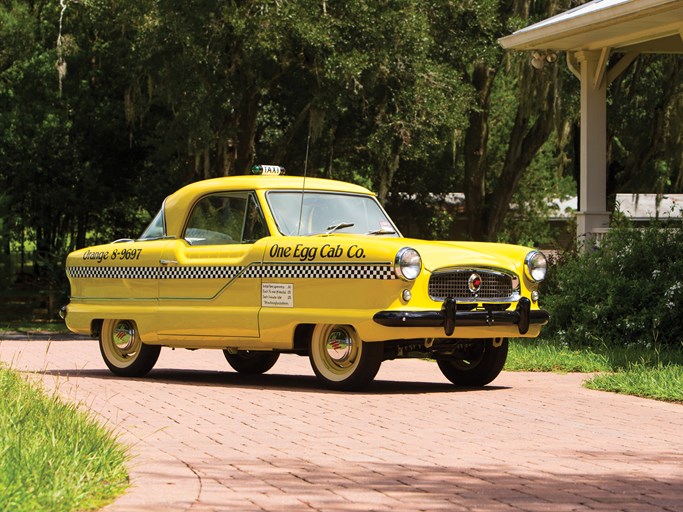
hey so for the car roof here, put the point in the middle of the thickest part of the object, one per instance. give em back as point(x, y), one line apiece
point(177, 204)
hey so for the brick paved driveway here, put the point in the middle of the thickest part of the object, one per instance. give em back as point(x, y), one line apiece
point(205, 438)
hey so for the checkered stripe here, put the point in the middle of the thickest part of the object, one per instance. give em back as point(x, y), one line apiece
point(272, 271)
point(297, 271)
point(113, 272)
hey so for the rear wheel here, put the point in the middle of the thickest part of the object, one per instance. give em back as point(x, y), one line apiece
point(123, 350)
point(483, 362)
point(251, 362)
point(341, 360)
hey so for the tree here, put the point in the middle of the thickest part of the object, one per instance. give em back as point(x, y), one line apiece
point(107, 107)
point(645, 113)
point(67, 166)
point(34, 132)
point(513, 111)
point(492, 174)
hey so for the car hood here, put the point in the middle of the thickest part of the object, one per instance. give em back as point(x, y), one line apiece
point(437, 255)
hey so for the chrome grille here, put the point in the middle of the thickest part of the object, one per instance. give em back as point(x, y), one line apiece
point(454, 284)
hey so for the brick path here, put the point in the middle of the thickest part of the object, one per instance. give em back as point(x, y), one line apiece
point(205, 438)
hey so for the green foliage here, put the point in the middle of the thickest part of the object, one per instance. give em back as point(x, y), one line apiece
point(396, 95)
point(66, 164)
point(662, 382)
point(54, 457)
point(528, 222)
point(626, 291)
point(645, 119)
point(537, 355)
point(632, 370)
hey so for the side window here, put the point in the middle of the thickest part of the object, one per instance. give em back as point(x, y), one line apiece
point(155, 229)
point(231, 218)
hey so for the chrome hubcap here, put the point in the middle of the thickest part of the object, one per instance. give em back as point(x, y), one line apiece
point(123, 336)
point(339, 347)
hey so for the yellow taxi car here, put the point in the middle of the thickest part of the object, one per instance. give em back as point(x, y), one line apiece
point(264, 265)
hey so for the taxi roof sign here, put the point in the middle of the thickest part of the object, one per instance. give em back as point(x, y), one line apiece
point(268, 170)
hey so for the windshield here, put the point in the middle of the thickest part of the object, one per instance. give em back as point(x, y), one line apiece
point(327, 212)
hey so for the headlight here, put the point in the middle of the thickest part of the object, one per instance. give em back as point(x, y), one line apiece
point(407, 264)
point(535, 266)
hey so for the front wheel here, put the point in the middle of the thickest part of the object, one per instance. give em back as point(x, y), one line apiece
point(483, 362)
point(124, 352)
point(251, 362)
point(341, 360)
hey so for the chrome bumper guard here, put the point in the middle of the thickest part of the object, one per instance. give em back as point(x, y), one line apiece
point(449, 317)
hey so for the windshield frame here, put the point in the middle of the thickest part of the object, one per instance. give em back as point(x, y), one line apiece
point(160, 213)
point(304, 193)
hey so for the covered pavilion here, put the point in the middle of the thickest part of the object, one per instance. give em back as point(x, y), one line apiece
point(590, 34)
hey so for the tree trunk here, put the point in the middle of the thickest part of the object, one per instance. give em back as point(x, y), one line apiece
point(476, 140)
point(246, 131)
point(386, 170)
point(286, 141)
point(523, 145)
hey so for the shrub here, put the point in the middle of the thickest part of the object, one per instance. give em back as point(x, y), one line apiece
point(627, 291)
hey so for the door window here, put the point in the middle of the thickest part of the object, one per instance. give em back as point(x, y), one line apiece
point(228, 218)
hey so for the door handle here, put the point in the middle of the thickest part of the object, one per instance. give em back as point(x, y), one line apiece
point(168, 262)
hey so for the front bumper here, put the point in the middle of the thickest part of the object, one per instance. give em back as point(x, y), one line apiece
point(449, 317)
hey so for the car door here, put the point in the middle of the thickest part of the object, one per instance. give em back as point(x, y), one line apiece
point(209, 284)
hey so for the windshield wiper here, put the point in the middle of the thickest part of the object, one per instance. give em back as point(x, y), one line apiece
point(341, 225)
point(381, 231)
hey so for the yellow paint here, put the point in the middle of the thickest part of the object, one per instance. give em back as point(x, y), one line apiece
point(213, 296)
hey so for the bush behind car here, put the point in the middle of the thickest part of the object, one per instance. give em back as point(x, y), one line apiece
point(626, 291)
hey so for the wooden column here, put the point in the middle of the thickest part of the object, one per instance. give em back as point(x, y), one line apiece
point(593, 216)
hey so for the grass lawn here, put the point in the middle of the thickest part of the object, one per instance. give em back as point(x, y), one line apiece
point(634, 371)
point(31, 326)
point(53, 456)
